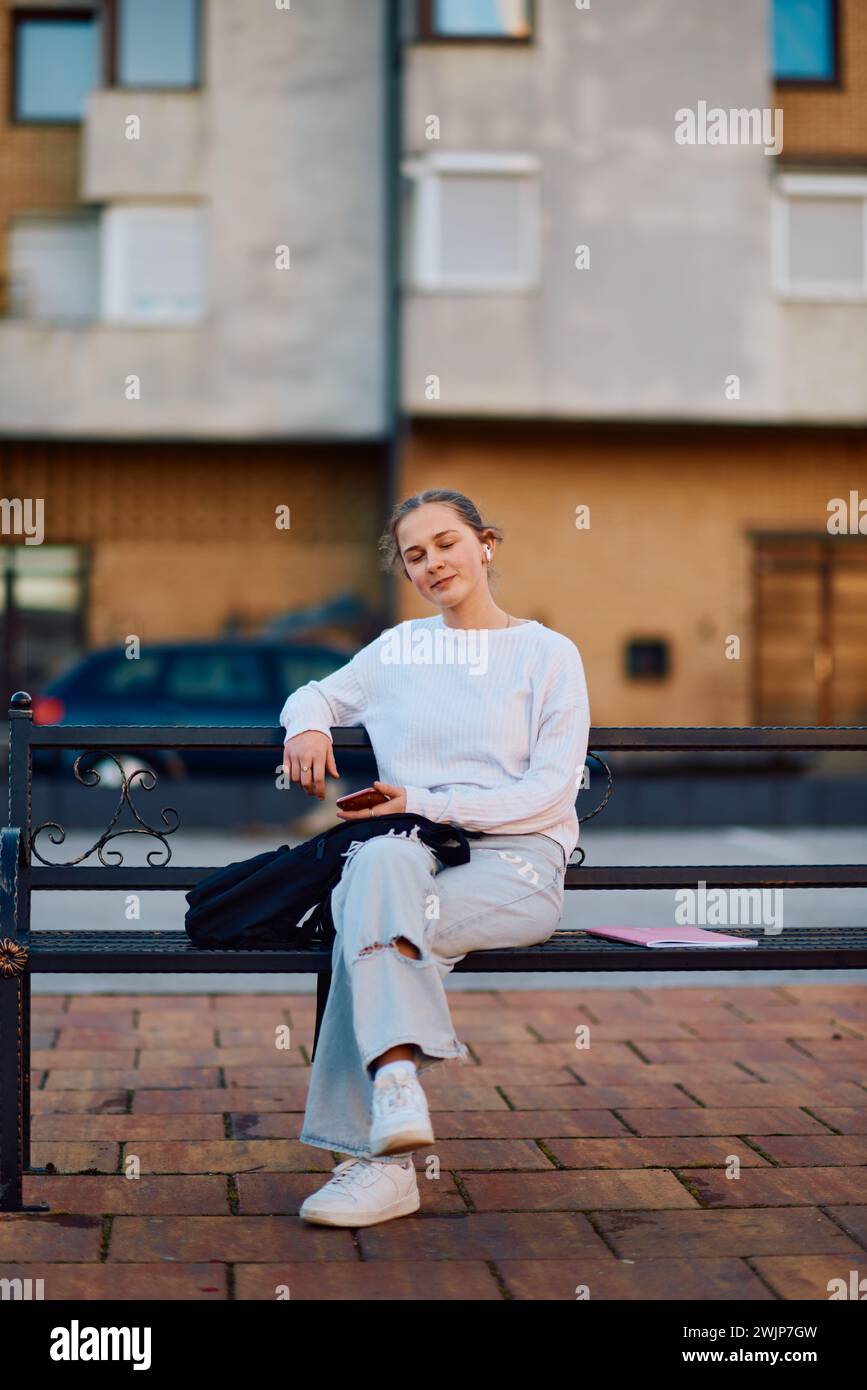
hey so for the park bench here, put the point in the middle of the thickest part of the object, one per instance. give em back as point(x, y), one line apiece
point(23, 869)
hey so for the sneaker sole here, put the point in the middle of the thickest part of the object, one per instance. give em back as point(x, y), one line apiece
point(401, 1140)
point(404, 1206)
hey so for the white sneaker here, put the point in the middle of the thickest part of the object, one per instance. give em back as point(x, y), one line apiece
point(400, 1118)
point(360, 1193)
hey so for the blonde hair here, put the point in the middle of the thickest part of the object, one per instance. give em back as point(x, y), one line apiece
point(393, 561)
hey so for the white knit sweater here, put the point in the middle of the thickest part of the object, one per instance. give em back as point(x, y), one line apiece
point(485, 728)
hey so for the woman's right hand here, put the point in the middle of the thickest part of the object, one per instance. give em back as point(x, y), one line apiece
point(314, 751)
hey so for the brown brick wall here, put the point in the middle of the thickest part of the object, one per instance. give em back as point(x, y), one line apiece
point(181, 537)
point(667, 553)
point(823, 122)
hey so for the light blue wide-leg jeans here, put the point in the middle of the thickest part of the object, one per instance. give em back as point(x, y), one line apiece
point(510, 893)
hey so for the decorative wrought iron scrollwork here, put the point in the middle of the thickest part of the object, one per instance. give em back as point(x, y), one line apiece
point(13, 958)
point(110, 833)
point(590, 814)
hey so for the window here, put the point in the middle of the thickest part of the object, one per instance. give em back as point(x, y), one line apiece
point(474, 221)
point(219, 677)
point(115, 676)
point(476, 19)
point(296, 668)
point(156, 43)
point(805, 41)
point(56, 57)
point(819, 237)
point(54, 267)
point(647, 658)
point(153, 264)
point(43, 607)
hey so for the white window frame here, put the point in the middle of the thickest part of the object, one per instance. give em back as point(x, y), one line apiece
point(81, 217)
point(113, 258)
point(787, 187)
point(425, 261)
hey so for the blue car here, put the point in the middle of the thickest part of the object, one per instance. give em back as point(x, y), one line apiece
point(217, 682)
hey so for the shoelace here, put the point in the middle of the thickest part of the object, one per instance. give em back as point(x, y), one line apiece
point(347, 1171)
point(393, 1091)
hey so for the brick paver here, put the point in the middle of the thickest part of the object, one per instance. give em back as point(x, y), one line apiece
point(696, 1143)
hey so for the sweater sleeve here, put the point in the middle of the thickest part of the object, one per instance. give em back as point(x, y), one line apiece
point(548, 789)
point(338, 699)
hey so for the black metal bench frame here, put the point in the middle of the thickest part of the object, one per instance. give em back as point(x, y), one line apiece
point(132, 950)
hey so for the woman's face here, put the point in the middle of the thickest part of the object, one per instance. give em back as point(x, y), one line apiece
point(437, 545)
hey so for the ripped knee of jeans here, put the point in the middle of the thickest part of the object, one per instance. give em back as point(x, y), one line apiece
point(412, 952)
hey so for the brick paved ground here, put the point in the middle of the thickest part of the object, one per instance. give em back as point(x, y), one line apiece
point(559, 1166)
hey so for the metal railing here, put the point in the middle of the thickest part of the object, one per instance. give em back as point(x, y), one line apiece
point(73, 874)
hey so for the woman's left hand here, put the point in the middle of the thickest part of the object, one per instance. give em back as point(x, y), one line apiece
point(394, 806)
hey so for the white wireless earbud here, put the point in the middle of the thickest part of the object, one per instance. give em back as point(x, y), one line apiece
point(488, 551)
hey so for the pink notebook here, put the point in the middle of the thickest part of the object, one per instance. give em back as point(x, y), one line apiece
point(671, 936)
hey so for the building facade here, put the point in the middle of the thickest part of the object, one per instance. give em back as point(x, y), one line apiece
point(194, 354)
point(635, 330)
point(603, 268)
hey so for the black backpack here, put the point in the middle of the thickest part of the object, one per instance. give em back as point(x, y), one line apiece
point(261, 901)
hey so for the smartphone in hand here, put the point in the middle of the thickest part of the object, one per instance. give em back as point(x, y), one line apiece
point(360, 801)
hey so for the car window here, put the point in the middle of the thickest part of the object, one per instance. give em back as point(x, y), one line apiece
point(297, 668)
point(118, 677)
point(220, 677)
